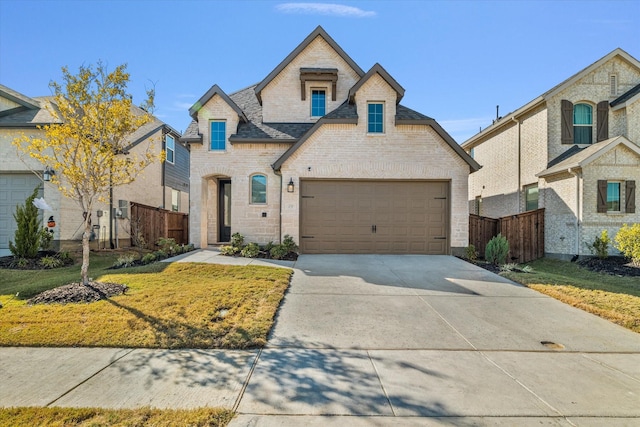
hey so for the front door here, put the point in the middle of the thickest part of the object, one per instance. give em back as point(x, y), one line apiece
point(224, 210)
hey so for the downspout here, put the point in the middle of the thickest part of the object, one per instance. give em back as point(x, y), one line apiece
point(519, 163)
point(277, 172)
point(578, 211)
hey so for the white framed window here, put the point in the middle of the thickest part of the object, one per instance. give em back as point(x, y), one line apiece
point(582, 124)
point(170, 145)
point(318, 102)
point(613, 196)
point(375, 117)
point(258, 190)
point(175, 200)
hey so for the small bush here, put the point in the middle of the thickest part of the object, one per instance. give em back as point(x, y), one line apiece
point(470, 253)
point(497, 250)
point(628, 242)
point(20, 263)
point(168, 245)
point(600, 245)
point(250, 251)
point(148, 258)
point(64, 256)
point(237, 240)
point(46, 237)
point(51, 262)
point(288, 244)
point(127, 260)
point(278, 252)
point(28, 234)
point(160, 255)
point(229, 250)
point(267, 248)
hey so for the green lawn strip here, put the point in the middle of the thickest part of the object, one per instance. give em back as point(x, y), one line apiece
point(612, 297)
point(59, 417)
point(177, 305)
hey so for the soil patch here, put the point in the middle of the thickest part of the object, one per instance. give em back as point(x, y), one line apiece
point(617, 266)
point(77, 292)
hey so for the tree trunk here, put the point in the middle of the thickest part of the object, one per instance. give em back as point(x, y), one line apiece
point(84, 271)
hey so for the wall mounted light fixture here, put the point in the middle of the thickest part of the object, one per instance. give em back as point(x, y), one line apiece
point(290, 186)
point(47, 174)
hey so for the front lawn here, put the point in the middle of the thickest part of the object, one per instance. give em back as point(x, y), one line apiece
point(168, 305)
point(204, 417)
point(613, 297)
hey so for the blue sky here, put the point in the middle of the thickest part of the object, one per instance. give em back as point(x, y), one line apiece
point(456, 60)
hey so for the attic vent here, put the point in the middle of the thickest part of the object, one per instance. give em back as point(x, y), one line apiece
point(613, 84)
point(318, 75)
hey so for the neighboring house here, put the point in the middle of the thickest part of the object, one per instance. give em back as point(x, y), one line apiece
point(573, 151)
point(160, 185)
point(324, 152)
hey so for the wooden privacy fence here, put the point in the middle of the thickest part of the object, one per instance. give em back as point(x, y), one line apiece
point(524, 232)
point(155, 223)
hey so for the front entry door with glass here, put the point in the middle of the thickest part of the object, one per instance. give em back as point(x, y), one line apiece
point(224, 210)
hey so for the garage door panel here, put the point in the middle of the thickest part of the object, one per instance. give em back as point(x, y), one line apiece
point(409, 217)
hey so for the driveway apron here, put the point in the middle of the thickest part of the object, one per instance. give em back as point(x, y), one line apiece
point(431, 340)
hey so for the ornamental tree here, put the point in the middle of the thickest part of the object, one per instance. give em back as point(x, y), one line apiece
point(88, 146)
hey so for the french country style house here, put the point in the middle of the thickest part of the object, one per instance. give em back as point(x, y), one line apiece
point(162, 185)
point(324, 152)
point(573, 151)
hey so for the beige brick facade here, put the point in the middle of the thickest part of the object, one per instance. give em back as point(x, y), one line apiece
point(518, 147)
point(331, 151)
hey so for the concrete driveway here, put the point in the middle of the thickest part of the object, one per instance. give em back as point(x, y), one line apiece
point(429, 340)
point(368, 340)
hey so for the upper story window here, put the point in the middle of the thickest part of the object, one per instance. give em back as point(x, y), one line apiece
point(258, 189)
point(375, 116)
point(170, 145)
point(318, 102)
point(218, 135)
point(582, 124)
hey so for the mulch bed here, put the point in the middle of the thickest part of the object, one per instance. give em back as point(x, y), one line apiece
point(9, 262)
point(617, 266)
point(77, 292)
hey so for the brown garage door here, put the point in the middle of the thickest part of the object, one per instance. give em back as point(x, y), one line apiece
point(386, 217)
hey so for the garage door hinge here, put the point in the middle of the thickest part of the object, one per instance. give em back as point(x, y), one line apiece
point(440, 238)
point(307, 237)
point(308, 197)
point(440, 198)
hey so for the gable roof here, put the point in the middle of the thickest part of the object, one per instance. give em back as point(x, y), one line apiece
point(587, 155)
point(318, 32)
point(213, 91)
point(23, 101)
point(507, 118)
point(377, 69)
point(37, 113)
point(347, 114)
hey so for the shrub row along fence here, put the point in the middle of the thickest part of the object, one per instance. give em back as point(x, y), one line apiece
point(154, 223)
point(524, 232)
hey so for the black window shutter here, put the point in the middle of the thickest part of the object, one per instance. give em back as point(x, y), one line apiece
point(602, 196)
point(566, 131)
point(603, 121)
point(630, 197)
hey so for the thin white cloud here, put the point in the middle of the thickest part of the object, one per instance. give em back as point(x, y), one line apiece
point(325, 9)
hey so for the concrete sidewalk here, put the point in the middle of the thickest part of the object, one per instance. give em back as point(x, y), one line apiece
point(368, 340)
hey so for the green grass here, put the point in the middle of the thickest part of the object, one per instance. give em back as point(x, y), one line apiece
point(67, 417)
point(31, 282)
point(611, 297)
point(177, 305)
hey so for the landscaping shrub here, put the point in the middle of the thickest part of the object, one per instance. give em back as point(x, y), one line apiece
point(29, 235)
point(628, 242)
point(470, 253)
point(237, 240)
point(250, 251)
point(51, 262)
point(278, 252)
point(288, 244)
point(497, 250)
point(149, 258)
point(600, 245)
point(229, 250)
point(168, 245)
point(126, 260)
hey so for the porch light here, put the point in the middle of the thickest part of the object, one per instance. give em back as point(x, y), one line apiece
point(290, 186)
point(47, 174)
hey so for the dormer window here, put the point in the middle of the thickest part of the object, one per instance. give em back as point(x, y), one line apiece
point(318, 102)
point(375, 117)
point(318, 75)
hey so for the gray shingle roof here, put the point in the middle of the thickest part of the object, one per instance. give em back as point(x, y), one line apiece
point(31, 117)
